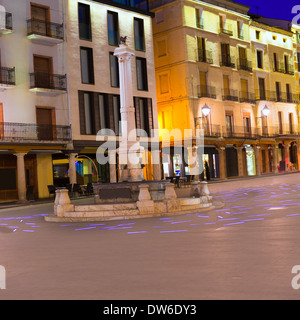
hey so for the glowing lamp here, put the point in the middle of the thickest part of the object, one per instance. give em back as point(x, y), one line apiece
point(266, 111)
point(205, 110)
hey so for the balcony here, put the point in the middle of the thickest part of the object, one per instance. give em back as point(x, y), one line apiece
point(227, 61)
point(226, 30)
point(230, 95)
point(265, 95)
point(284, 68)
point(247, 97)
point(239, 132)
point(48, 84)
point(209, 130)
point(207, 92)
point(45, 33)
point(286, 130)
point(7, 78)
point(11, 132)
point(5, 23)
point(204, 56)
point(287, 97)
point(244, 64)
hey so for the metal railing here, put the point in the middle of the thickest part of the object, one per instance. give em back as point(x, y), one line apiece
point(19, 132)
point(7, 76)
point(227, 61)
point(287, 97)
point(284, 68)
point(229, 94)
point(204, 56)
point(44, 28)
point(227, 30)
point(244, 64)
point(6, 21)
point(248, 97)
point(48, 81)
point(209, 130)
point(239, 132)
point(265, 95)
point(207, 91)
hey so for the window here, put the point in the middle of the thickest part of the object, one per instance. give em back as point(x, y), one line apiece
point(259, 55)
point(275, 61)
point(113, 28)
point(244, 90)
point(284, 40)
point(84, 19)
point(141, 74)
point(288, 93)
point(280, 122)
point(139, 34)
point(291, 123)
point(274, 38)
point(199, 20)
point(229, 122)
point(201, 49)
point(240, 30)
point(114, 70)
point(257, 35)
point(116, 113)
point(88, 113)
point(286, 64)
point(87, 66)
point(102, 111)
point(278, 91)
point(261, 86)
point(143, 115)
point(247, 122)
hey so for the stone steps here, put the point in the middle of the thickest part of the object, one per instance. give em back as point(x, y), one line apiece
point(101, 214)
point(106, 207)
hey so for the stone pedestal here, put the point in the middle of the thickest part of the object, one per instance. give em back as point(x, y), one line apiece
point(62, 202)
point(145, 204)
point(195, 189)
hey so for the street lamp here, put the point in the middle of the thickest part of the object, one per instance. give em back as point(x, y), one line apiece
point(266, 111)
point(205, 110)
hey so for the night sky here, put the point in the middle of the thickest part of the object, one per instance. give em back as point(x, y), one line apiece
point(272, 8)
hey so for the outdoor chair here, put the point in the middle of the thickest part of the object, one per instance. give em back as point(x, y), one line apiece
point(51, 190)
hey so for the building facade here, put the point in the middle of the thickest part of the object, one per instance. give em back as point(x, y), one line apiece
point(34, 117)
point(93, 33)
point(233, 76)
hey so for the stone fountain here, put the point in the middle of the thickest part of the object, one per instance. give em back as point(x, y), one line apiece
point(132, 196)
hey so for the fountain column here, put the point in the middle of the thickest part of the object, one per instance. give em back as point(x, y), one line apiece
point(130, 150)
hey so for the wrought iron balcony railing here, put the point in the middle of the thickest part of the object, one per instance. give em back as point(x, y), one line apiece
point(227, 61)
point(20, 132)
point(284, 68)
point(204, 56)
point(229, 94)
point(244, 64)
point(44, 28)
point(48, 81)
point(6, 21)
point(239, 132)
point(287, 130)
point(7, 76)
point(287, 97)
point(265, 95)
point(207, 92)
point(227, 30)
point(248, 97)
point(209, 130)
